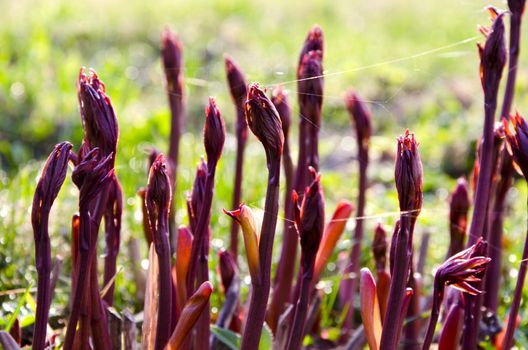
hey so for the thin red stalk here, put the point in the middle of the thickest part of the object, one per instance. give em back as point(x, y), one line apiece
point(493, 57)
point(198, 268)
point(493, 274)
point(112, 219)
point(513, 59)
point(399, 277)
point(237, 190)
point(260, 291)
point(98, 323)
point(43, 287)
point(438, 295)
point(89, 227)
point(238, 88)
point(514, 309)
point(299, 320)
point(171, 54)
point(163, 328)
point(353, 268)
point(284, 272)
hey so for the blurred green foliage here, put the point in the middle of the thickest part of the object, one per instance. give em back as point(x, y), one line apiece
point(414, 61)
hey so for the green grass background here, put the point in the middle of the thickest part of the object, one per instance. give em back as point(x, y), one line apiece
point(415, 61)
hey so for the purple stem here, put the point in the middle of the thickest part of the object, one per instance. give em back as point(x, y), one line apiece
point(299, 320)
point(237, 191)
point(261, 289)
point(43, 287)
point(491, 298)
point(353, 268)
point(438, 296)
point(400, 275)
point(478, 220)
point(285, 268)
point(163, 328)
point(198, 266)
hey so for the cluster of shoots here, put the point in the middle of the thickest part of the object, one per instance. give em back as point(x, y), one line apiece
point(285, 302)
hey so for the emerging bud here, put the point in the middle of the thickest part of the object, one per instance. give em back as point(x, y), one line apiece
point(492, 54)
point(244, 216)
point(264, 121)
point(158, 197)
point(153, 154)
point(97, 113)
point(370, 309)
point(333, 230)
point(379, 247)
point(310, 86)
point(360, 116)
point(458, 212)
point(463, 270)
point(238, 88)
point(279, 99)
point(171, 56)
point(192, 310)
point(310, 223)
point(214, 132)
point(314, 42)
point(228, 269)
point(51, 179)
point(237, 82)
point(518, 143)
point(408, 174)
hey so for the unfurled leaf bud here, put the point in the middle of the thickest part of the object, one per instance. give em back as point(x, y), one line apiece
point(463, 270)
point(458, 212)
point(516, 6)
point(171, 56)
point(264, 121)
point(244, 216)
point(379, 247)
point(360, 116)
point(332, 232)
point(311, 223)
point(370, 309)
point(214, 132)
point(314, 42)
point(492, 55)
point(192, 310)
point(98, 115)
point(518, 142)
point(228, 268)
point(408, 174)
point(279, 99)
point(310, 86)
point(48, 186)
point(157, 199)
